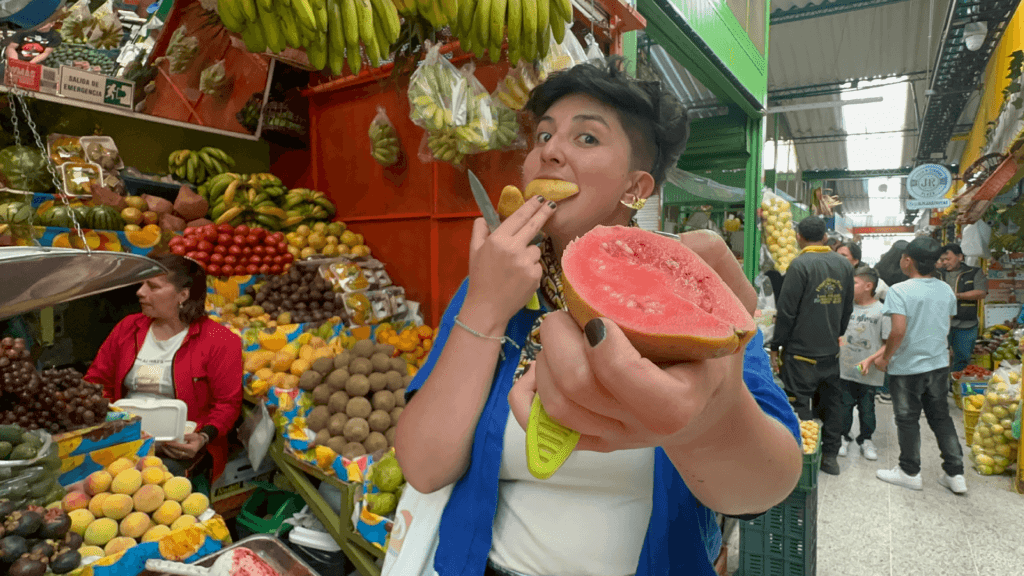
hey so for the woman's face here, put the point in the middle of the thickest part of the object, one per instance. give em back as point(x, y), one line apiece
point(581, 140)
point(845, 253)
point(160, 299)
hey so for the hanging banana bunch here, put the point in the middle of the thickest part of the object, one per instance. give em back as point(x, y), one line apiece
point(332, 32)
point(528, 25)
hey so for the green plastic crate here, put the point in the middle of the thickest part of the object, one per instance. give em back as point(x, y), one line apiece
point(266, 510)
point(783, 541)
point(812, 463)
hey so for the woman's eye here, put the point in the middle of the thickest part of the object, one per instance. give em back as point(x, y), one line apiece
point(543, 137)
point(587, 139)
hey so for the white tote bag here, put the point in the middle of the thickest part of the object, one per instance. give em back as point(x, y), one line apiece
point(415, 535)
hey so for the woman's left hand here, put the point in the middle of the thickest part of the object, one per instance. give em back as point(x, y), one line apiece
point(186, 450)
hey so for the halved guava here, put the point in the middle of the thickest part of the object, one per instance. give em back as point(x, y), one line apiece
point(670, 304)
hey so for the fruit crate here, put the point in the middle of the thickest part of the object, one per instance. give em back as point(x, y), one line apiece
point(783, 541)
point(967, 387)
point(971, 415)
point(812, 463)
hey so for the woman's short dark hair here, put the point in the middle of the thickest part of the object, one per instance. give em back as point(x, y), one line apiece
point(184, 273)
point(654, 120)
point(854, 249)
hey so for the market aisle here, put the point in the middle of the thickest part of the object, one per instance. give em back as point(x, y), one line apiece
point(869, 528)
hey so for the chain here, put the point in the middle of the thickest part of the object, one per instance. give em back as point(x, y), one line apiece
point(58, 186)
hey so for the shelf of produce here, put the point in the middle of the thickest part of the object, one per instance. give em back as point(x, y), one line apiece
point(361, 553)
point(130, 114)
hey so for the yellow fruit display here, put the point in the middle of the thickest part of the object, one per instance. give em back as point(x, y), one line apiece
point(779, 235)
point(195, 504)
point(177, 488)
point(993, 446)
point(809, 431)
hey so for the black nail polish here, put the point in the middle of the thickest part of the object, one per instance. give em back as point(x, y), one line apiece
point(552, 205)
point(540, 199)
point(594, 331)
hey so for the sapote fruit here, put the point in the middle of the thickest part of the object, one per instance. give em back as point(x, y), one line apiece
point(669, 303)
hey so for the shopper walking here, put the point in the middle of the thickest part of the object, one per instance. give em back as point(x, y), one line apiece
point(970, 286)
point(813, 310)
point(864, 337)
point(661, 447)
point(916, 358)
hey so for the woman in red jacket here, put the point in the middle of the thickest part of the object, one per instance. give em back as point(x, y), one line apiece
point(172, 350)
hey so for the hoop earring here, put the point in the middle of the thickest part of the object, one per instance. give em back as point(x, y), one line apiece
point(637, 204)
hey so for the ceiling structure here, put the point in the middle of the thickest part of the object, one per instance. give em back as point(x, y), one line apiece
point(824, 51)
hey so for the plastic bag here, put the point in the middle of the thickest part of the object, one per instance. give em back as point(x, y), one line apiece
point(975, 239)
point(437, 93)
point(993, 446)
point(561, 56)
point(514, 90)
point(181, 50)
point(214, 80)
point(593, 49)
point(764, 315)
point(384, 143)
point(779, 235)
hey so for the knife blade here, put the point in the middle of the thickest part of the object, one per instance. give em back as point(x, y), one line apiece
point(483, 202)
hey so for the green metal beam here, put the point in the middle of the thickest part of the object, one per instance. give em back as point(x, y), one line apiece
point(751, 230)
point(855, 174)
point(827, 8)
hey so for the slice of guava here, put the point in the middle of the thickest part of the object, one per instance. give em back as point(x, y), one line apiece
point(670, 304)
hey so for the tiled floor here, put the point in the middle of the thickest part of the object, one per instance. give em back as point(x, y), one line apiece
point(869, 528)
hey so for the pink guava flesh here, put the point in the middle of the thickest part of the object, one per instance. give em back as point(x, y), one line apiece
point(651, 284)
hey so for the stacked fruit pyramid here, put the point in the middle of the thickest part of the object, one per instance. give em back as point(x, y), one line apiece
point(993, 445)
point(779, 234)
point(131, 502)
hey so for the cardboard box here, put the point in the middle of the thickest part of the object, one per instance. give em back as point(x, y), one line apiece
point(98, 437)
point(76, 468)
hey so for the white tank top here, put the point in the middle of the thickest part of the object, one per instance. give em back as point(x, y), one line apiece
point(589, 519)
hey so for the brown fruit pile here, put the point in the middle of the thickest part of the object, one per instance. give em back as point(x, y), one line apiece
point(359, 396)
point(302, 293)
point(55, 401)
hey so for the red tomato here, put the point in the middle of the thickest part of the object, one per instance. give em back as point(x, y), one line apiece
point(224, 239)
point(265, 269)
point(252, 269)
point(270, 250)
point(259, 232)
point(176, 241)
point(239, 239)
point(205, 245)
point(191, 254)
point(227, 270)
point(275, 269)
point(225, 229)
point(246, 250)
point(259, 250)
point(252, 239)
point(278, 259)
point(216, 258)
point(276, 237)
point(231, 260)
point(241, 230)
point(190, 242)
point(288, 258)
point(179, 250)
point(235, 249)
point(213, 270)
point(202, 256)
point(209, 233)
point(282, 247)
point(220, 249)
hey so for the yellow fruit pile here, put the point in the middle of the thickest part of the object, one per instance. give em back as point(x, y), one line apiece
point(809, 435)
point(328, 240)
point(281, 367)
point(131, 502)
point(413, 343)
point(779, 234)
point(993, 447)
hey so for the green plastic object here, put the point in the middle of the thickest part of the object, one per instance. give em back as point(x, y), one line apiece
point(266, 510)
point(548, 443)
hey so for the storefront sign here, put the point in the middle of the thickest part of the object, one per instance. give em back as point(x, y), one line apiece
point(96, 88)
point(920, 204)
point(29, 76)
point(929, 182)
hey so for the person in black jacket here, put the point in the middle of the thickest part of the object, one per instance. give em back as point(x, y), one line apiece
point(813, 309)
point(970, 285)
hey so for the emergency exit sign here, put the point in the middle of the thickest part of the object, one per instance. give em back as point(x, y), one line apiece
point(96, 88)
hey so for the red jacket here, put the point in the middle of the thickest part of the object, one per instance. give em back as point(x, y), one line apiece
point(207, 373)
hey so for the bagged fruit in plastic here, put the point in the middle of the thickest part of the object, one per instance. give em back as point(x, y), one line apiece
point(993, 445)
point(779, 235)
point(384, 143)
point(214, 80)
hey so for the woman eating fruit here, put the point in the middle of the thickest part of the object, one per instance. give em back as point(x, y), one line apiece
point(173, 350)
point(662, 447)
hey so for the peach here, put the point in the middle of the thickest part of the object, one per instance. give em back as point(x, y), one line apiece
point(101, 531)
point(98, 482)
point(167, 513)
point(75, 501)
point(127, 482)
point(80, 520)
point(120, 465)
point(156, 533)
point(148, 498)
point(149, 462)
point(96, 504)
point(177, 488)
point(135, 525)
point(153, 475)
point(195, 504)
point(117, 506)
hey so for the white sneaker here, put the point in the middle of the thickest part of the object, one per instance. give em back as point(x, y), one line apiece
point(867, 448)
point(900, 478)
point(842, 446)
point(956, 484)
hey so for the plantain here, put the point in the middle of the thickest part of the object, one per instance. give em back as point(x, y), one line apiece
point(528, 37)
point(481, 23)
point(335, 32)
point(304, 13)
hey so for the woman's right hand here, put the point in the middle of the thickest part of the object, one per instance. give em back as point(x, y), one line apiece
point(504, 268)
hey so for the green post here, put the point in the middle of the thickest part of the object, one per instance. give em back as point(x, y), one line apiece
point(751, 230)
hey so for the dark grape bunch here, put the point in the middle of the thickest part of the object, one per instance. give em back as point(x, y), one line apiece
point(55, 401)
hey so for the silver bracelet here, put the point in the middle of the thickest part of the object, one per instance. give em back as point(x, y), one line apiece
point(501, 339)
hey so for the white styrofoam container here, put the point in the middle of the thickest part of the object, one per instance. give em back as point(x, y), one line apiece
point(164, 420)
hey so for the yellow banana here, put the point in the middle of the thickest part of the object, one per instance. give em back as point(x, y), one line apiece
point(267, 5)
point(350, 16)
point(355, 60)
point(386, 12)
point(247, 8)
point(228, 17)
point(528, 37)
point(481, 23)
point(557, 29)
point(335, 57)
point(543, 26)
point(335, 31)
point(317, 52)
point(229, 192)
point(272, 31)
point(515, 29)
point(451, 10)
point(321, 19)
point(289, 27)
point(364, 12)
point(467, 8)
point(382, 38)
point(305, 14)
point(497, 24)
point(564, 10)
point(229, 215)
